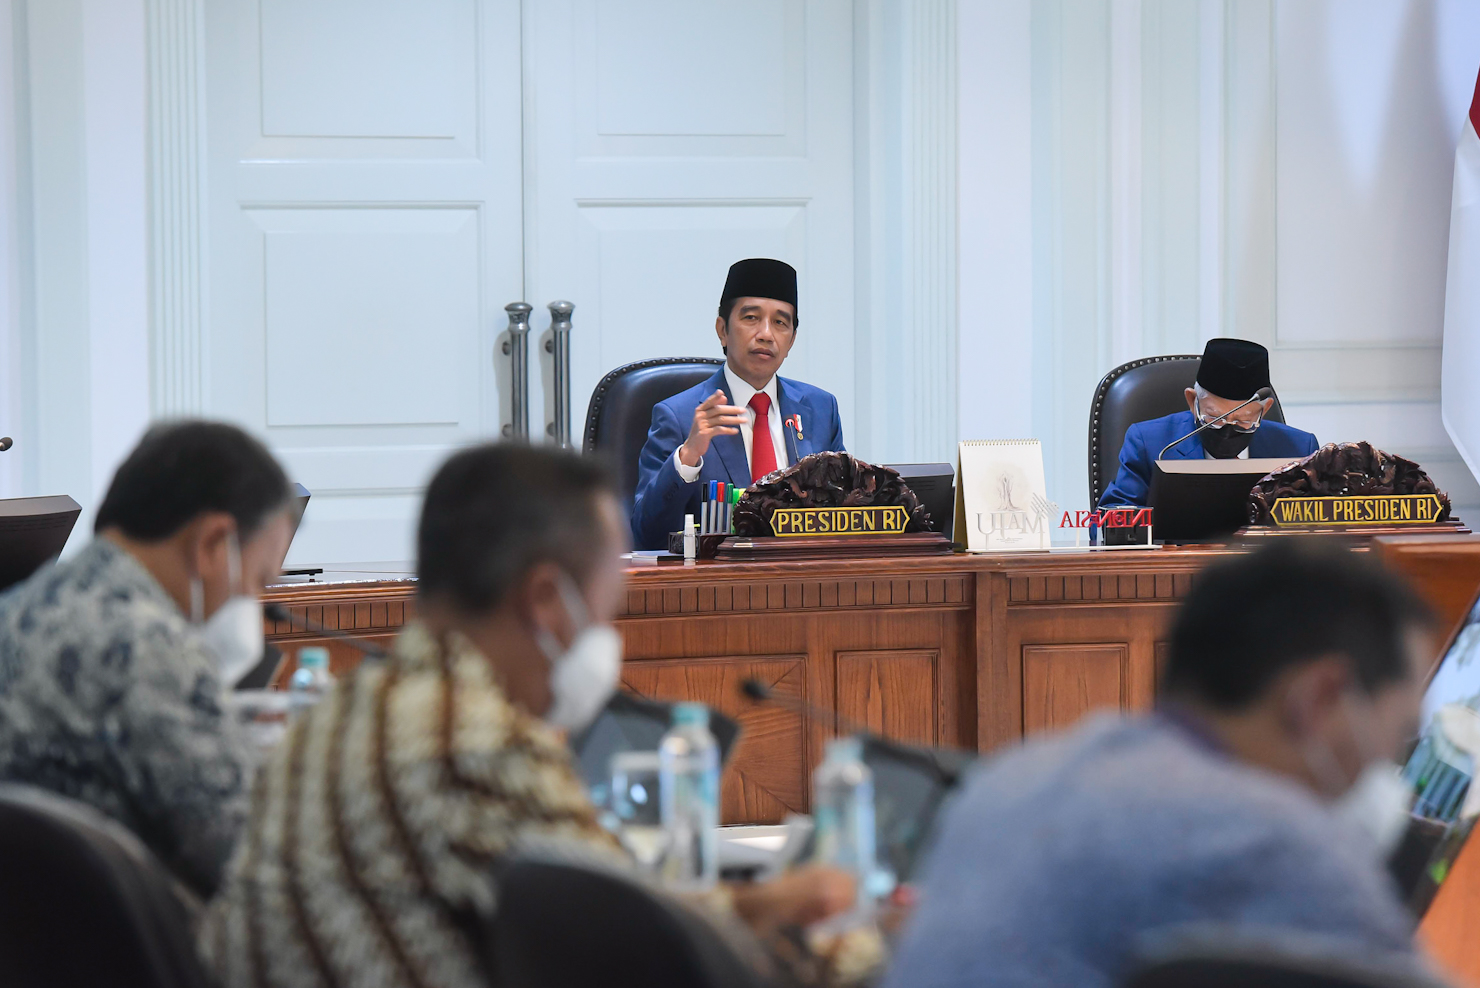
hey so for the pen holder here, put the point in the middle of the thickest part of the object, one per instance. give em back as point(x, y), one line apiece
point(705, 548)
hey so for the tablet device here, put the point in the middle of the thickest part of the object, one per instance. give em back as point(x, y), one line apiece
point(633, 723)
point(912, 786)
point(1202, 500)
point(1441, 769)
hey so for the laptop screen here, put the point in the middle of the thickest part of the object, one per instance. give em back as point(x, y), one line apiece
point(1440, 769)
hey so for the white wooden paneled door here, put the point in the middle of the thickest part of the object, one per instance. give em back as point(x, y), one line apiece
point(383, 177)
point(364, 233)
point(666, 139)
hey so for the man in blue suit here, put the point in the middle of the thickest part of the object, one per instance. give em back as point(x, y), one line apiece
point(742, 423)
point(1231, 372)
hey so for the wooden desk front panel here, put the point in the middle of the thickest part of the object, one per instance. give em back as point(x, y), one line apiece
point(967, 651)
point(975, 650)
point(1070, 635)
point(891, 654)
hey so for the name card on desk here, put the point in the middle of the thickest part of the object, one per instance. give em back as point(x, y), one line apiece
point(1002, 499)
point(1356, 509)
point(890, 519)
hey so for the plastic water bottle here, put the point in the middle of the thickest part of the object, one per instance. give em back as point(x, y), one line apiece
point(311, 680)
point(843, 817)
point(688, 785)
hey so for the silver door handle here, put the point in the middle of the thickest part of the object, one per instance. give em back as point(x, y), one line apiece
point(558, 345)
point(516, 348)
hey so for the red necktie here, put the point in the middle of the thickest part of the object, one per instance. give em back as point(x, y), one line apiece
point(762, 452)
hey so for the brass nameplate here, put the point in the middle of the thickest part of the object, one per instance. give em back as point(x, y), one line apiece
point(890, 519)
point(1358, 509)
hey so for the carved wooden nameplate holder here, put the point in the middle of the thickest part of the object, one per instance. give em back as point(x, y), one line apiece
point(1351, 489)
point(831, 505)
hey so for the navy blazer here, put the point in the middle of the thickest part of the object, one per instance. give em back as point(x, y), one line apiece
point(1144, 440)
point(663, 498)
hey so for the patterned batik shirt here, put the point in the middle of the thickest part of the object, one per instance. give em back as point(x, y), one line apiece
point(109, 696)
point(374, 826)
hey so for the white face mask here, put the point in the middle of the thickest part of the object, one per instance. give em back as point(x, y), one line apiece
point(1376, 802)
point(583, 676)
point(234, 632)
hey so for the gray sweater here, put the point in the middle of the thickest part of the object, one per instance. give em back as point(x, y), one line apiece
point(1068, 860)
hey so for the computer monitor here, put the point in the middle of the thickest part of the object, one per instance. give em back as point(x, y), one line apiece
point(1441, 768)
point(32, 533)
point(1199, 500)
point(935, 485)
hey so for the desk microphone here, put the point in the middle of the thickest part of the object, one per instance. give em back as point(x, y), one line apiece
point(5, 443)
point(761, 693)
point(1261, 395)
point(946, 765)
point(277, 612)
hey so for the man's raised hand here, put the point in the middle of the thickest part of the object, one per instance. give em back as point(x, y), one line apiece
point(712, 418)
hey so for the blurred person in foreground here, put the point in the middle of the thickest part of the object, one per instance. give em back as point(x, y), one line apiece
point(375, 830)
point(113, 662)
point(1257, 804)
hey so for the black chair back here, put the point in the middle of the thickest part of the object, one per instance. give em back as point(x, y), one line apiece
point(1134, 392)
point(82, 902)
point(560, 924)
point(621, 409)
point(1248, 968)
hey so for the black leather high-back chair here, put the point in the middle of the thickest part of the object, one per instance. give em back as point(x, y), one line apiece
point(1134, 392)
point(1250, 968)
point(83, 902)
point(561, 923)
point(621, 409)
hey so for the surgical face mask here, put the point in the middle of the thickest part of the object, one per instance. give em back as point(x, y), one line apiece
point(584, 675)
point(1378, 804)
point(234, 632)
point(1224, 442)
point(1377, 801)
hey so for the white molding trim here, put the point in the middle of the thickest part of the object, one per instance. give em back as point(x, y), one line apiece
point(905, 227)
point(1212, 178)
point(177, 168)
point(1126, 170)
point(930, 302)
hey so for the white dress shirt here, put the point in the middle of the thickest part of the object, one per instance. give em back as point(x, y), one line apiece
point(740, 394)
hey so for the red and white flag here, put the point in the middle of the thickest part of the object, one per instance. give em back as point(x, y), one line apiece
point(1459, 395)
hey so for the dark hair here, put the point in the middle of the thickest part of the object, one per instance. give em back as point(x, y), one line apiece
point(727, 309)
point(1249, 619)
point(493, 511)
point(180, 469)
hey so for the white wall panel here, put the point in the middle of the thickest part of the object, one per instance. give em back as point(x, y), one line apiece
point(995, 155)
point(79, 381)
point(1367, 120)
point(371, 316)
point(1282, 174)
point(14, 402)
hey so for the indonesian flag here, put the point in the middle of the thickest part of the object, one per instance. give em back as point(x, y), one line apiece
point(1459, 395)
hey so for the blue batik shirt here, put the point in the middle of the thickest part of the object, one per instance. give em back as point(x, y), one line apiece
point(109, 696)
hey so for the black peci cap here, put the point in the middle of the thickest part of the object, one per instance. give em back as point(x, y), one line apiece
point(1233, 369)
point(762, 277)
